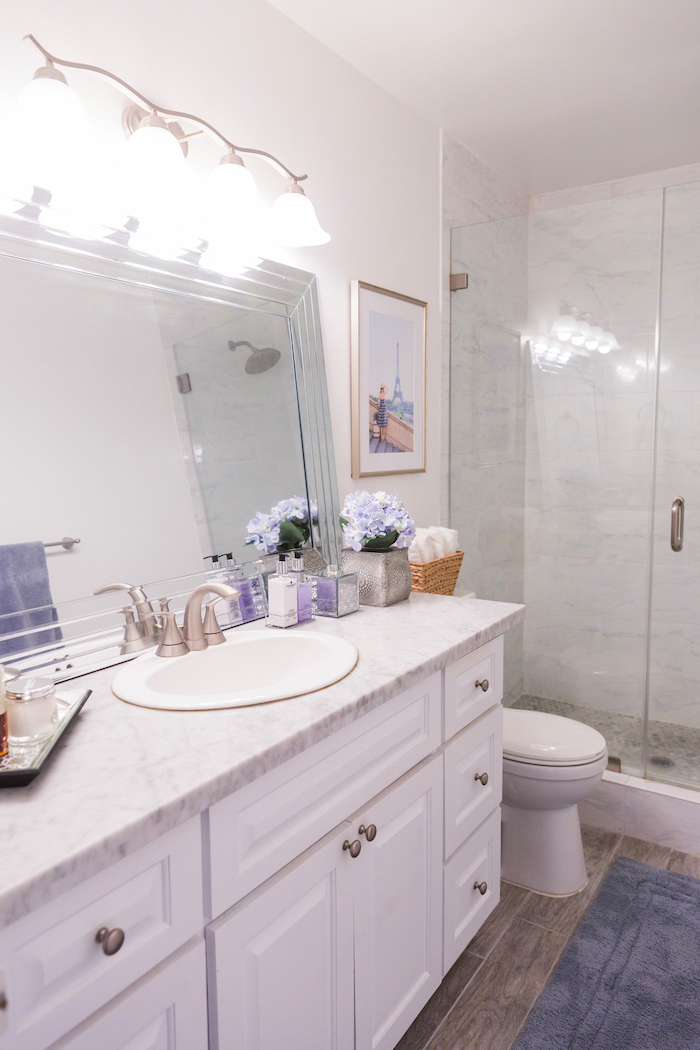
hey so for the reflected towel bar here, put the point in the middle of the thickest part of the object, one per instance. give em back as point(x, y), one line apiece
point(66, 542)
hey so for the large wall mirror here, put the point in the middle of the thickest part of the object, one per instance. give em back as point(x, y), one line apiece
point(150, 411)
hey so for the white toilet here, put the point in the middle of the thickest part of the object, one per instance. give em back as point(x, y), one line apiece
point(549, 764)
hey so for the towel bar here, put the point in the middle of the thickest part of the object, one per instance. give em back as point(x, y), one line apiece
point(66, 542)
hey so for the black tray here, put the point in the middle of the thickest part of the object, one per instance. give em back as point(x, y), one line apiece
point(21, 765)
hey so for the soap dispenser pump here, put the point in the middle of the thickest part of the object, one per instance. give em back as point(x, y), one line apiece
point(304, 588)
point(282, 596)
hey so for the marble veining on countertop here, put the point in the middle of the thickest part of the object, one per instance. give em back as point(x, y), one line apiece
point(125, 775)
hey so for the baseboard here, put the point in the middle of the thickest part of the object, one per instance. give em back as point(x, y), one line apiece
point(646, 809)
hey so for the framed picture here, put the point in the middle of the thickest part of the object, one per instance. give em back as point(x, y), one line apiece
point(388, 382)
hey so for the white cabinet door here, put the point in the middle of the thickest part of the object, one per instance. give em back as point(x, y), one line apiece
point(398, 906)
point(165, 1010)
point(472, 886)
point(281, 961)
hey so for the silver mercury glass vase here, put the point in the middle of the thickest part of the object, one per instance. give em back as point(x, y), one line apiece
point(385, 576)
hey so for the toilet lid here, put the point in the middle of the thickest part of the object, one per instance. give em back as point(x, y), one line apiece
point(534, 736)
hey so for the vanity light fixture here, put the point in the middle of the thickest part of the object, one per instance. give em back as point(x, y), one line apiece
point(223, 216)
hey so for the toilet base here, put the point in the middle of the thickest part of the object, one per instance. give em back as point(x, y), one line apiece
point(542, 849)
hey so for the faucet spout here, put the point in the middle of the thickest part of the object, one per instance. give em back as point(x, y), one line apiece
point(193, 627)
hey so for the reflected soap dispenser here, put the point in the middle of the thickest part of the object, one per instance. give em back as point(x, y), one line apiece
point(282, 596)
point(304, 589)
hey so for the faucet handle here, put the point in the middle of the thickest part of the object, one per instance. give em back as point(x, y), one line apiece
point(164, 604)
point(134, 641)
point(173, 643)
point(213, 635)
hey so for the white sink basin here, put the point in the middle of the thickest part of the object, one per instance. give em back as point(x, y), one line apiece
point(254, 667)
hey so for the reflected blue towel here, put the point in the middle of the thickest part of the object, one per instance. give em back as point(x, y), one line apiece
point(25, 597)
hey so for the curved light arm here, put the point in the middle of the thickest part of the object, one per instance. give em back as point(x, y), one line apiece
point(136, 96)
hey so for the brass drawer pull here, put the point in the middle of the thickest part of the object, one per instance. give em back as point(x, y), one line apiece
point(483, 777)
point(370, 832)
point(483, 684)
point(353, 847)
point(111, 940)
point(481, 887)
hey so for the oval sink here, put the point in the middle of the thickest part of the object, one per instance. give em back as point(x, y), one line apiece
point(255, 667)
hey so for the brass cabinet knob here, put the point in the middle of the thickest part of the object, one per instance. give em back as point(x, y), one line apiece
point(111, 940)
point(481, 887)
point(353, 847)
point(483, 684)
point(370, 832)
point(3, 1001)
point(483, 777)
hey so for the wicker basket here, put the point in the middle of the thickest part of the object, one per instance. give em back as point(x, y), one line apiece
point(438, 576)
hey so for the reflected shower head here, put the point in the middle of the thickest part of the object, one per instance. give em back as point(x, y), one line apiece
point(261, 358)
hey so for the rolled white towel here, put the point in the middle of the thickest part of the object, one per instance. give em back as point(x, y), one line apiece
point(421, 549)
point(451, 541)
point(438, 540)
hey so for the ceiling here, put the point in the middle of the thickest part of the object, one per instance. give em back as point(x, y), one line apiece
point(552, 93)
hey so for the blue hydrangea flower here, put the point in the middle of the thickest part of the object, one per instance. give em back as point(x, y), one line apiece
point(368, 515)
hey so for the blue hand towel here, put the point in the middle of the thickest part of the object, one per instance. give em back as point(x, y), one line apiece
point(25, 597)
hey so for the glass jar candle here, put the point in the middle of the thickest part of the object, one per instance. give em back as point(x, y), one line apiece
point(32, 711)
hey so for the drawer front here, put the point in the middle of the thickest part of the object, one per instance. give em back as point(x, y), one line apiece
point(165, 1010)
point(474, 755)
point(466, 908)
point(56, 972)
point(257, 830)
point(464, 699)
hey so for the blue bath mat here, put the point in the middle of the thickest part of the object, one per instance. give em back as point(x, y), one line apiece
point(630, 976)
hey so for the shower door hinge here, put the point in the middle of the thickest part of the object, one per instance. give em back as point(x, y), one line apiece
point(183, 383)
point(458, 281)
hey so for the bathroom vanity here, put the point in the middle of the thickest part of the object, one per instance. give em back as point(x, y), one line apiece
point(297, 874)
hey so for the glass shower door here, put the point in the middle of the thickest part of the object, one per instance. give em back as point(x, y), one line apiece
point(673, 737)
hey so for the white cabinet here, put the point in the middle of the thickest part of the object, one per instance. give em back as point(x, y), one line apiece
point(56, 971)
point(165, 1010)
point(398, 907)
point(322, 947)
point(281, 961)
point(338, 950)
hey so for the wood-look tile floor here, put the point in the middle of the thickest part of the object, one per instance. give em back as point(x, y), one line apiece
point(485, 998)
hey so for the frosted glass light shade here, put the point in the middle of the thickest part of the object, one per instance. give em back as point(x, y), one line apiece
point(582, 333)
point(233, 207)
point(51, 130)
point(294, 222)
point(155, 172)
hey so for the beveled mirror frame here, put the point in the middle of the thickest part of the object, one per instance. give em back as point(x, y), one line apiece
point(91, 625)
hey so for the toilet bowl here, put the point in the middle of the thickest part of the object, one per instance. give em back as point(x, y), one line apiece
point(550, 764)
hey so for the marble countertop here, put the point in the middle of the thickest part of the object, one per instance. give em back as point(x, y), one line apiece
point(125, 775)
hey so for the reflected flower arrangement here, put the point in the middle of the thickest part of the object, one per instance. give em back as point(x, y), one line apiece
point(286, 527)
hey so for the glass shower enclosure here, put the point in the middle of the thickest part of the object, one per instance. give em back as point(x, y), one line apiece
point(575, 440)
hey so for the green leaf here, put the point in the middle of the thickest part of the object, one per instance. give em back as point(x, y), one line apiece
point(381, 543)
point(292, 535)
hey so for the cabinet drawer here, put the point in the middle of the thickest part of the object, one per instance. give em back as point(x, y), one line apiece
point(475, 753)
point(56, 973)
point(466, 908)
point(464, 699)
point(165, 1010)
point(257, 830)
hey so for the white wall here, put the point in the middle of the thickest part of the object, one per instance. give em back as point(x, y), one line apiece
point(374, 164)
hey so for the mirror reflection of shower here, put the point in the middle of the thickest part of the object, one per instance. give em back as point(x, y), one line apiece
point(261, 359)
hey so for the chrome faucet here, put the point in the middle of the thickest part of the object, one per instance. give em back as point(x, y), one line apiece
point(148, 624)
point(193, 627)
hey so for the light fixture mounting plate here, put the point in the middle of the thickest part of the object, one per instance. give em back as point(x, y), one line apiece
point(132, 117)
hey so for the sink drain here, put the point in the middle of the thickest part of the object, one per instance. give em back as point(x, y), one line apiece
point(661, 760)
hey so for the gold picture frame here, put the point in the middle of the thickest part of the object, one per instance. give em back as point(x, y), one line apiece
point(388, 429)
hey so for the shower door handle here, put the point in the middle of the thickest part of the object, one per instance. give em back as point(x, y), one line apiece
point(677, 515)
